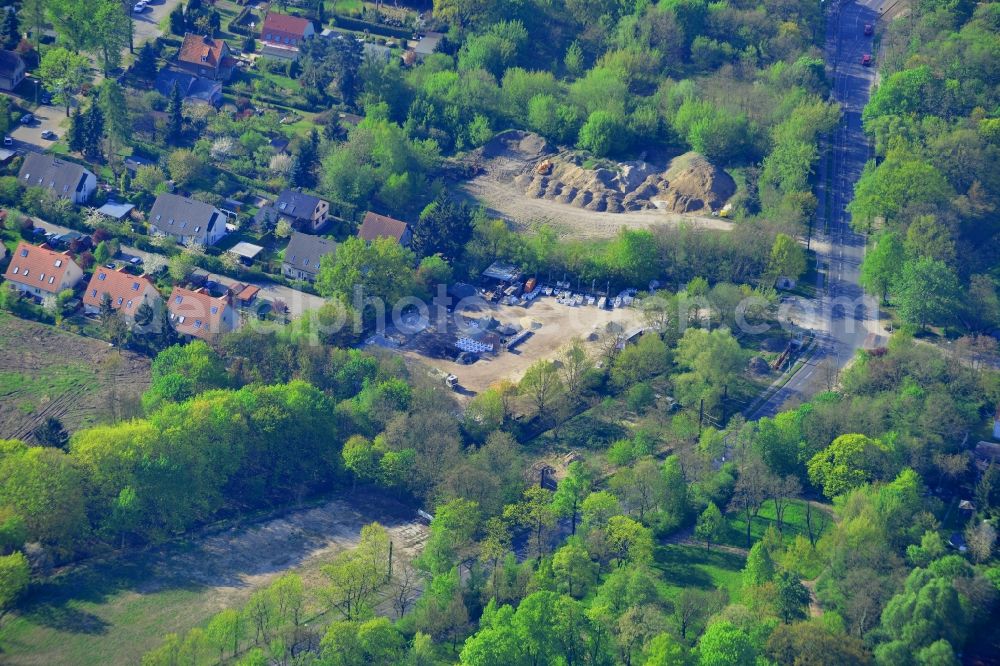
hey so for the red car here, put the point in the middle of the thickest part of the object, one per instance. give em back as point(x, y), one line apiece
point(869, 29)
point(866, 60)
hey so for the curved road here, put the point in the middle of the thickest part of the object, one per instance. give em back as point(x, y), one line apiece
point(843, 318)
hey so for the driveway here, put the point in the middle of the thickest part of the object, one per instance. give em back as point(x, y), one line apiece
point(29, 137)
point(298, 302)
point(147, 24)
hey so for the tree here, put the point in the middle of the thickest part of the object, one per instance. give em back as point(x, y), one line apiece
point(186, 168)
point(110, 31)
point(149, 178)
point(576, 365)
point(225, 631)
point(928, 292)
point(725, 644)
point(881, 265)
point(788, 258)
point(630, 541)
point(665, 650)
point(118, 125)
point(571, 491)
point(10, 30)
point(444, 227)
point(981, 539)
point(356, 575)
point(541, 383)
point(535, 513)
point(175, 117)
point(753, 485)
point(603, 134)
point(759, 568)
point(710, 525)
point(813, 642)
point(64, 72)
point(14, 578)
point(792, 597)
point(850, 461)
point(381, 270)
point(51, 433)
point(712, 360)
point(146, 65)
point(574, 570)
point(93, 131)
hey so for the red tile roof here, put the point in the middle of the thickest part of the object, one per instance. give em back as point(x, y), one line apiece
point(127, 291)
point(201, 50)
point(379, 226)
point(197, 313)
point(38, 266)
point(283, 25)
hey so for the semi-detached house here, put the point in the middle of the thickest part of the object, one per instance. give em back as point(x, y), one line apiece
point(41, 272)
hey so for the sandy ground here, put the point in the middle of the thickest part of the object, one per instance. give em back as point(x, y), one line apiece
point(114, 610)
point(559, 325)
point(503, 200)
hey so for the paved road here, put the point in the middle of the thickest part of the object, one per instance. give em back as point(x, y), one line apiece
point(29, 137)
point(298, 302)
point(844, 319)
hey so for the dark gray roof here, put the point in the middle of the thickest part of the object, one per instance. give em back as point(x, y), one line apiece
point(9, 63)
point(175, 215)
point(64, 178)
point(190, 86)
point(304, 251)
point(296, 205)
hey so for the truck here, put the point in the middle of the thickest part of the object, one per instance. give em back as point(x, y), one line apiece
point(452, 382)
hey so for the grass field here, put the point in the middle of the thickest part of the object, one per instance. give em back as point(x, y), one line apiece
point(684, 565)
point(48, 372)
point(114, 611)
point(794, 523)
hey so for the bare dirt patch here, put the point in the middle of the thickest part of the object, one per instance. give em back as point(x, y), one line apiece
point(48, 372)
point(556, 326)
point(113, 611)
point(522, 178)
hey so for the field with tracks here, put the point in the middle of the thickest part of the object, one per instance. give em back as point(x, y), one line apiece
point(47, 372)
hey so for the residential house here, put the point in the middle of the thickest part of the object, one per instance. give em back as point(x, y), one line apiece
point(193, 89)
point(187, 220)
point(65, 180)
point(427, 44)
point(282, 35)
point(12, 69)
point(199, 314)
point(202, 55)
point(303, 254)
point(40, 271)
point(304, 212)
point(128, 292)
point(380, 226)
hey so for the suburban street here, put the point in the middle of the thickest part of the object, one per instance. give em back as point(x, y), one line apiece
point(298, 302)
point(843, 318)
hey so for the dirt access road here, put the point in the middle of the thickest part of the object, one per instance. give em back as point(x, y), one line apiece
point(503, 200)
point(115, 610)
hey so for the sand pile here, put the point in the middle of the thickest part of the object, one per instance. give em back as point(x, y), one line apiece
point(690, 184)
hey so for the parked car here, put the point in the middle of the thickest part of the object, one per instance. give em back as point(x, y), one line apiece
point(140, 7)
point(49, 135)
point(866, 60)
point(27, 119)
point(8, 140)
point(46, 97)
